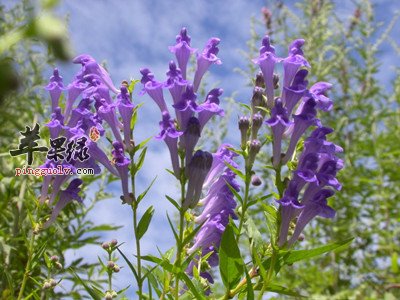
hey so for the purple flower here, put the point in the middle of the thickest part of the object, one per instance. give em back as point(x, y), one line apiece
point(256, 122)
point(82, 111)
point(60, 179)
point(291, 95)
point(96, 88)
point(55, 87)
point(186, 107)
point(205, 60)
point(318, 93)
point(175, 82)
point(90, 66)
point(122, 165)
point(107, 113)
point(210, 233)
point(220, 158)
point(267, 61)
point(289, 209)
point(191, 137)
point(198, 168)
point(255, 146)
point(169, 134)
point(125, 108)
point(316, 207)
point(244, 125)
point(279, 121)
point(44, 192)
point(302, 121)
point(307, 167)
point(211, 107)
point(66, 196)
point(96, 153)
point(182, 50)
point(56, 124)
point(153, 88)
point(293, 62)
point(74, 90)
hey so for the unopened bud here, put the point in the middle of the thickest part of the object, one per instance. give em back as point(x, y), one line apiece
point(301, 237)
point(105, 245)
point(110, 264)
point(58, 265)
point(114, 242)
point(257, 99)
point(108, 296)
point(116, 269)
point(256, 123)
point(275, 80)
point(52, 282)
point(255, 146)
point(54, 258)
point(255, 180)
point(260, 80)
point(244, 125)
point(46, 285)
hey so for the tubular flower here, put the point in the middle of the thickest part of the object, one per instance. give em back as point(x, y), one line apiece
point(56, 125)
point(198, 169)
point(170, 135)
point(153, 88)
point(210, 106)
point(55, 88)
point(66, 196)
point(122, 165)
point(205, 60)
point(125, 108)
point(182, 50)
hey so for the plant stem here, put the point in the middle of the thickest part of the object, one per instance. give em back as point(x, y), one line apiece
point(109, 274)
point(181, 229)
point(245, 199)
point(27, 267)
point(135, 228)
point(269, 274)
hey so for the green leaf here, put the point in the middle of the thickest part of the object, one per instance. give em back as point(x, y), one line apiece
point(298, 255)
point(129, 264)
point(276, 288)
point(173, 202)
point(249, 288)
point(231, 263)
point(271, 216)
point(140, 161)
point(142, 144)
point(142, 195)
point(145, 222)
point(91, 292)
point(253, 233)
point(236, 171)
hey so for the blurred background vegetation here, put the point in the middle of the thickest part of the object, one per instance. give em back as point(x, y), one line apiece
point(343, 50)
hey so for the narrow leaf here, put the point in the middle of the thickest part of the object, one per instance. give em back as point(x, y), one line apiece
point(145, 222)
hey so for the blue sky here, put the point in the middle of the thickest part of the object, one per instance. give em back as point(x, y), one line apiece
point(129, 35)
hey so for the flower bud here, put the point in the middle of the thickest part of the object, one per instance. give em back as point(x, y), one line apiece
point(257, 99)
point(54, 258)
point(255, 180)
point(53, 283)
point(244, 125)
point(260, 80)
point(110, 264)
point(105, 245)
point(257, 120)
point(46, 285)
point(108, 296)
point(116, 268)
point(255, 146)
point(58, 265)
point(301, 237)
point(114, 242)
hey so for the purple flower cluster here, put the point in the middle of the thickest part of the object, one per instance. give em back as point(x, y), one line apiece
point(89, 105)
point(318, 164)
point(218, 206)
point(182, 133)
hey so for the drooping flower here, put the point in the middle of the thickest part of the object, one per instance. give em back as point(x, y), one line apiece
point(186, 107)
point(198, 169)
point(170, 135)
point(56, 125)
point(66, 196)
point(182, 50)
point(107, 113)
point(153, 88)
point(125, 108)
point(122, 164)
point(210, 107)
point(205, 59)
point(318, 93)
point(279, 121)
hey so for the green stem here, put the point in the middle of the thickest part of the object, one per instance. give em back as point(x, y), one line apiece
point(269, 274)
point(135, 229)
point(181, 228)
point(109, 274)
point(245, 200)
point(27, 267)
